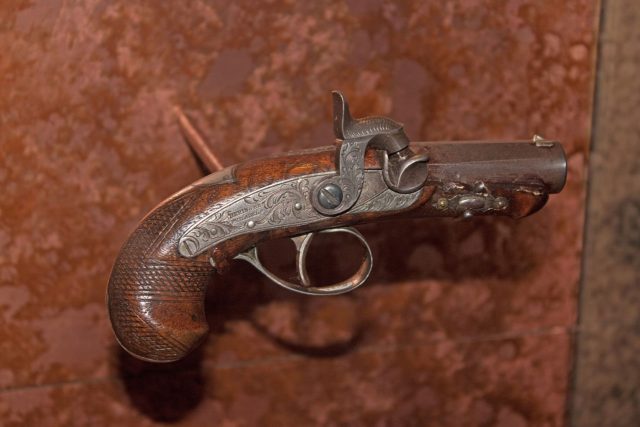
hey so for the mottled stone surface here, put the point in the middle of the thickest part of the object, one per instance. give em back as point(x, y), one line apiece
point(463, 323)
point(505, 381)
point(607, 385)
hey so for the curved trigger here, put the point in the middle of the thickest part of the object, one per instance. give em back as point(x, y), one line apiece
point(302, 243)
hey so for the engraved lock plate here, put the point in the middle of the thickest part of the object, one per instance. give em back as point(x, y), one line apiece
point(288, 203)
point(282, 204)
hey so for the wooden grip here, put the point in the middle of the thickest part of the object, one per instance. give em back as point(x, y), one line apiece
point(156, 298)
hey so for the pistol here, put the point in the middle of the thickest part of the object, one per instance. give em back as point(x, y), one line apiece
point(373, 172)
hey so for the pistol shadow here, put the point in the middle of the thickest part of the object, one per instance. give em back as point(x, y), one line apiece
point(444, 250)
point(453, 250)
point(404, 250)
point(165, 393)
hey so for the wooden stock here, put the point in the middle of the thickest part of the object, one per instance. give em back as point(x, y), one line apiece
point(156, 296)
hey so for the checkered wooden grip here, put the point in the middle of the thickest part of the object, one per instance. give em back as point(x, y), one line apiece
point(155, 297)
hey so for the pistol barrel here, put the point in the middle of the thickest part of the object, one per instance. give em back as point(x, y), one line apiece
point(517, 162)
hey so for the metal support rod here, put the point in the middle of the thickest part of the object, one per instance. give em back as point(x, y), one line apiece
point(197, 142)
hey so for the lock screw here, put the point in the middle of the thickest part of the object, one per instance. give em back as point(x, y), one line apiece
point(330, 196)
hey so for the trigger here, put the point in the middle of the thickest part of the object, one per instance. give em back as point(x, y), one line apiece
point(302, 243)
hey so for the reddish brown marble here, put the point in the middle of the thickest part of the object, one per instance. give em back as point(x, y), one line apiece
point(507, 381)
point(462, 321)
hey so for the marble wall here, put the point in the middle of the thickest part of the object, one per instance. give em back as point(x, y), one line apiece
point(462, 323)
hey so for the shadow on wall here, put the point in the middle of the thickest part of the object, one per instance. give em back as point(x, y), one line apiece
point(405, 251)
point(163, 392)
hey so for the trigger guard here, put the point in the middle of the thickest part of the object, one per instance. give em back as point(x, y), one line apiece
point(302, 246)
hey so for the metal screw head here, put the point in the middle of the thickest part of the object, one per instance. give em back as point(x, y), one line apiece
point(330, 196)
point(251, 224)
point(480, 187)
point(442, 203)
point(500, 203)
point(297, 206)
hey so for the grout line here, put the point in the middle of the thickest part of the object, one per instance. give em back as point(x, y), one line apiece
point(601, 33)
point(264, 361)
point(77, 381)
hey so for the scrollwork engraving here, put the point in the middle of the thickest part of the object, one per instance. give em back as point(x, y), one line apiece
point(388, 200)
point(284, 203)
